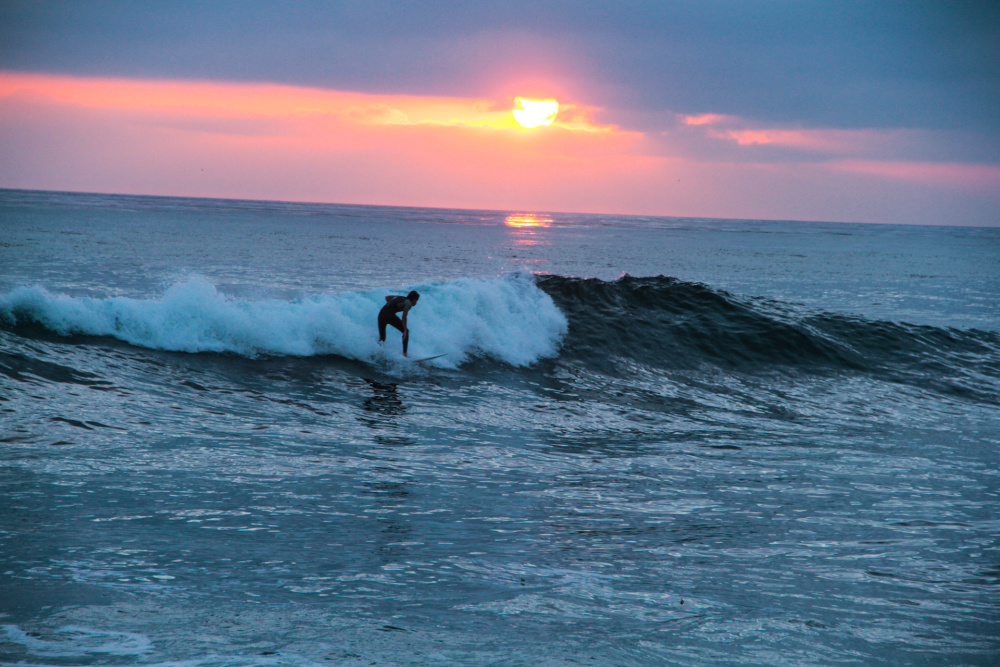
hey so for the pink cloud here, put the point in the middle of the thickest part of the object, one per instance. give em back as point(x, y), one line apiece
point(827, 141)
point(743, 132)
point(979, 177)
point(709, 119)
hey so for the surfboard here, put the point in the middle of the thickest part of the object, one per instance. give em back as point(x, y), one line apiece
point(417, 361)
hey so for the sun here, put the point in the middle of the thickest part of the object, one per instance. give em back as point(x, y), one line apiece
point(534, 113)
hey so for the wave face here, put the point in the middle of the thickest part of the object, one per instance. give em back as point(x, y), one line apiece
point(669, 324)
point(509, 319)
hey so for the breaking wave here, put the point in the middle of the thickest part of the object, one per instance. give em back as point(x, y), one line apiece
point(518, 319)
point(509, 319)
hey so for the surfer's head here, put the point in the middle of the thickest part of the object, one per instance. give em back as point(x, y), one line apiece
point(413, 297)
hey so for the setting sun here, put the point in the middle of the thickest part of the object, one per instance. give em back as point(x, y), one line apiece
point(534, 113)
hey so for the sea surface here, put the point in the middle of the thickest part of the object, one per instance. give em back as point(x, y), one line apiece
point(651, 441)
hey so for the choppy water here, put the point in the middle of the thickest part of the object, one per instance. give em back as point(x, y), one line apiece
point(652, 441)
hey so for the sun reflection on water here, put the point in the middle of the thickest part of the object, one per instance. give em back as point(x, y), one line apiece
point(528, 220)
point(527, 227)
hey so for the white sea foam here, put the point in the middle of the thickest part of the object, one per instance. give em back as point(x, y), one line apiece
point(80, 645)
point(508, 318)
point(73, 641)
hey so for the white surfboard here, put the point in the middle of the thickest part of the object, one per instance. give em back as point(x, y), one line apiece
point(417, 361)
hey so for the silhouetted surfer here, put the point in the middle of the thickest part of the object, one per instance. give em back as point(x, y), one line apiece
point(394, 304)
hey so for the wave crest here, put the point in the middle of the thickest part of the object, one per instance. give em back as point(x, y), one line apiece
point(509, 319)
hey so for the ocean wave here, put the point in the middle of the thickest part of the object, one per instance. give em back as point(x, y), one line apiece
point(670, 324)
point(518, 319)
point(508, 319)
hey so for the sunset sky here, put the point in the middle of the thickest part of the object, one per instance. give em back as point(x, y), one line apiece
point(837, 111)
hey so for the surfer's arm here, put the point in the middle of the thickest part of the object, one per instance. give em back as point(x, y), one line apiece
point(405, 328)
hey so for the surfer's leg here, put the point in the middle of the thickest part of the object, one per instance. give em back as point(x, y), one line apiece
point(385, 319)
point(398, 323)
point(390, 319)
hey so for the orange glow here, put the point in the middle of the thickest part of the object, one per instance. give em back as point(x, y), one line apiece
point(289, 143)
point(522, 220)
point(228, 100)
point(264, 141)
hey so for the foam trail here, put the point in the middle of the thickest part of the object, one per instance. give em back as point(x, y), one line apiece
point(508, 318)
point(76, 642)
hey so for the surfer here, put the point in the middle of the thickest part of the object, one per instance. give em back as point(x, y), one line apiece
point(393, 305)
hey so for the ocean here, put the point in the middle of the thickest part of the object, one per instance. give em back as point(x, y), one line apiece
point(651, 441)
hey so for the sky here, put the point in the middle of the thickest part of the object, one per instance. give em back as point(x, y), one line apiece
point(838, 110)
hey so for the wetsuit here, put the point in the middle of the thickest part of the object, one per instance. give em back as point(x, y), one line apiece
point(388, 316)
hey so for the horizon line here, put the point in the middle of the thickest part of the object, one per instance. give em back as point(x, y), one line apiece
point(481, 210)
